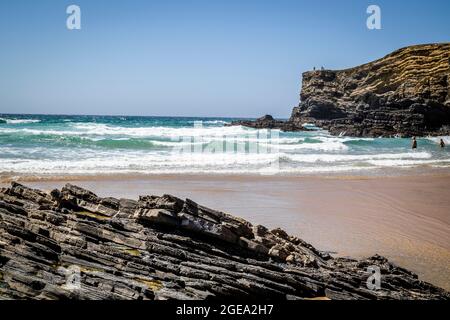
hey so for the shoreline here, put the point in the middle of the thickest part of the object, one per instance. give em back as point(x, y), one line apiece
point(404, 218)
point(379, 173)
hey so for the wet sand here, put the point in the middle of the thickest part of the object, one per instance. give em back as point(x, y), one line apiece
point(406, 219)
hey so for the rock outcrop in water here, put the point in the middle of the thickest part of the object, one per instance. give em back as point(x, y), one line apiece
point(70, 243)
point(268, 122)
point(406, 93)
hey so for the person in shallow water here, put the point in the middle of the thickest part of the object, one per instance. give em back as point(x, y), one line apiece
point(442, 143)
point(414, 143)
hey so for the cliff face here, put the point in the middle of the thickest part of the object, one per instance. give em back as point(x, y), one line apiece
point(405, 93)
point(70, 243)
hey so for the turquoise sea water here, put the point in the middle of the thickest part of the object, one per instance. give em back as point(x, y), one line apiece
point(46, 145)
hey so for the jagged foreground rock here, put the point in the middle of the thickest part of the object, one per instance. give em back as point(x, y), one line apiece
point(72, 244)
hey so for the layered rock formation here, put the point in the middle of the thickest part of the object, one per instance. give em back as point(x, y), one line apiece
point(70, 243)
point(406, 93)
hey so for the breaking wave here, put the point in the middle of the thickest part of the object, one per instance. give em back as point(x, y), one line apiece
point(19, 121)
point(108, 145)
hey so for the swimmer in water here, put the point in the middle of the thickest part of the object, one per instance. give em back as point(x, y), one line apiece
point(414, 143)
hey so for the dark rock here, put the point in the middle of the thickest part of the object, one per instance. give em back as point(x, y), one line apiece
point(159, 216)
point(82, 246)
point(268, 122)
point(406, 93)
point(323, 110)
point(403, 94)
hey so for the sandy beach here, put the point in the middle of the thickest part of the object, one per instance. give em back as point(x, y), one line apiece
point(405, 218)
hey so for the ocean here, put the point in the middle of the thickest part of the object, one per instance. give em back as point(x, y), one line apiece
point(55, 145)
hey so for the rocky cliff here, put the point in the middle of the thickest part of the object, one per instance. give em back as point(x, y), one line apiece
point(405, 93)
point(70, 243)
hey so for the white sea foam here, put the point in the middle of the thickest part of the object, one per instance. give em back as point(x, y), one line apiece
point(437, 139)
point(99, 129)
point(168, 136)
point(20, 121)
point(164, 132)
point(305, 152)
point(408, 163)
point(330, 158)
point(76, 162)
point(213, 122)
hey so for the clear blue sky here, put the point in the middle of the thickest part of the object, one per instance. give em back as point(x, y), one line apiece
point(192, 58)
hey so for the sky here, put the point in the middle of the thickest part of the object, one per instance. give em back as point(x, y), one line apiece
point(218, 58)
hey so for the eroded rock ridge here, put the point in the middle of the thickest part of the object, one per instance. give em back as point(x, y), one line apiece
point(70, 243)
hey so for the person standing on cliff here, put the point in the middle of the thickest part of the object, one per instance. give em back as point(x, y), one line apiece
point(414, 143)
point(442, 143)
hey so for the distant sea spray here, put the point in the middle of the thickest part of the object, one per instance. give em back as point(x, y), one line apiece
point(45, 145)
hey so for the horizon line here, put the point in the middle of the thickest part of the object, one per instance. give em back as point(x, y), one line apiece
point(123, 115)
